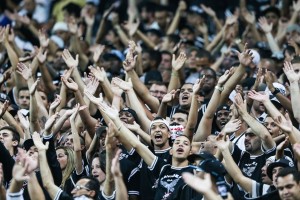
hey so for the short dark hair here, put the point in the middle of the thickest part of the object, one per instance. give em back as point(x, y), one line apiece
point(22, 88)
point(287, 171)
point(92, 184)
point(295, 60)
point(15, 134)
point(72, 9)
point(181, 111)
point(210, 69)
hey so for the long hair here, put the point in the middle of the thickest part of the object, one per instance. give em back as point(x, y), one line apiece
point(69, 152)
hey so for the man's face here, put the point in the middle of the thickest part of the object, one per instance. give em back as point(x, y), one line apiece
point(158, 91)
point(185, 96)
point(180, 118)
point(181, 148)
point(272, 18)
point(259, 106)
point(33, 152)
point(6, 137)
point(191, 60)
point(252, 143)
point(44, 98)
point(166, 61)
point(272, 127)
point(222, 118)
point(288, 188)
point(296, 67)
point(160, 134)
point(264, 177)
point(29, 5)
point(161, 18)
point(80, 189)
point(126, 117)
point(275, 172)
point(24, 99)
point(209, 81)
point(209, 145)
point(186, 34)
point(69, 141)
point(146, 60)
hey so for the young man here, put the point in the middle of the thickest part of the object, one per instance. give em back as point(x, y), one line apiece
point(288, 184)
point(168, 176)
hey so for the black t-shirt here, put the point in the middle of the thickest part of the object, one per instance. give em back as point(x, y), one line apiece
point(72, 180)
point(169, 178)
point(186, 192)
point(147, 179)
point(250, 166)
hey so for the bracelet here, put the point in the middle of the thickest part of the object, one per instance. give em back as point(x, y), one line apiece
point(219, 88)
point(174, 74)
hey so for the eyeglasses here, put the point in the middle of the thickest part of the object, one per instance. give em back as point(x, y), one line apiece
point(80, 187)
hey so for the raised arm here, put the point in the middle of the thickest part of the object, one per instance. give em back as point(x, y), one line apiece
point(232, 168)
point(245, 59)
point(257, 128)
point(34, 108)
point(76, 140)
point(192, 119)
point(121, 191)
point(177, 64)
point(124, 134)
point(111, 147)
point(294, 88)
point(204, 128)
point(134, 102)
point(46, 175)
point(267, 28)
point(174, 24)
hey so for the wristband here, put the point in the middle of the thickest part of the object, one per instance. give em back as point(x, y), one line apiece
point(219, 88)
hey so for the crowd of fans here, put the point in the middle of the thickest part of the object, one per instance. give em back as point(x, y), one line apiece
point(149, 99)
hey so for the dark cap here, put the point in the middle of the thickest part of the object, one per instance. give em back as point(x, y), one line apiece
point(272, 9)
point(212, 166)
point(202, 155)
point(223, 107)
point(27, 144)
point(132, 112)
point(283, 162)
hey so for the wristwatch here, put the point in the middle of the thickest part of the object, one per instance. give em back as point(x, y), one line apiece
point(276, 91)
point(219, 88)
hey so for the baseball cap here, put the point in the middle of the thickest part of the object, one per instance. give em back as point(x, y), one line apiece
point(60, 26)
point(283, 162)
point(202, 155)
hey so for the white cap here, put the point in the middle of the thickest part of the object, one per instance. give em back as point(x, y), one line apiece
point(60, 26)
point(256, 57)
point(95, 2)
point(58, 41)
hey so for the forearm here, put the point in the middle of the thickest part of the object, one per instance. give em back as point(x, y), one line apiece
point(232, 82)
point(144, 136)
point(143, 37)
point(216, 40)
point(63, 95)
point(217, 63)
point(46, 175)
point(143, 92)
point(121, 191)
point(100, 31)
point(255, 33)
point(272, 43)
point(15, 186)
point(92, 148)
point(88, 34)
point(60, 122)
point(77, 148)
point(12, 122)
point(33, 112)
point(295, 96)
point(107, 89)
point(162, 111)
point(122, 35)
point(235, 173)
point(259, 130)
point(136, 105)
point(34, 189)
point(109, 185)
point(47, 78)
point(117, 102)
point(174, 24)
point(174, 81)
point(85, 116)
point(192, 120)
point(217, 23)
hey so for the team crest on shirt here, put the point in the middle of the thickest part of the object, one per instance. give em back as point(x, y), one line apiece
point(169, 182)
point(249, 168)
